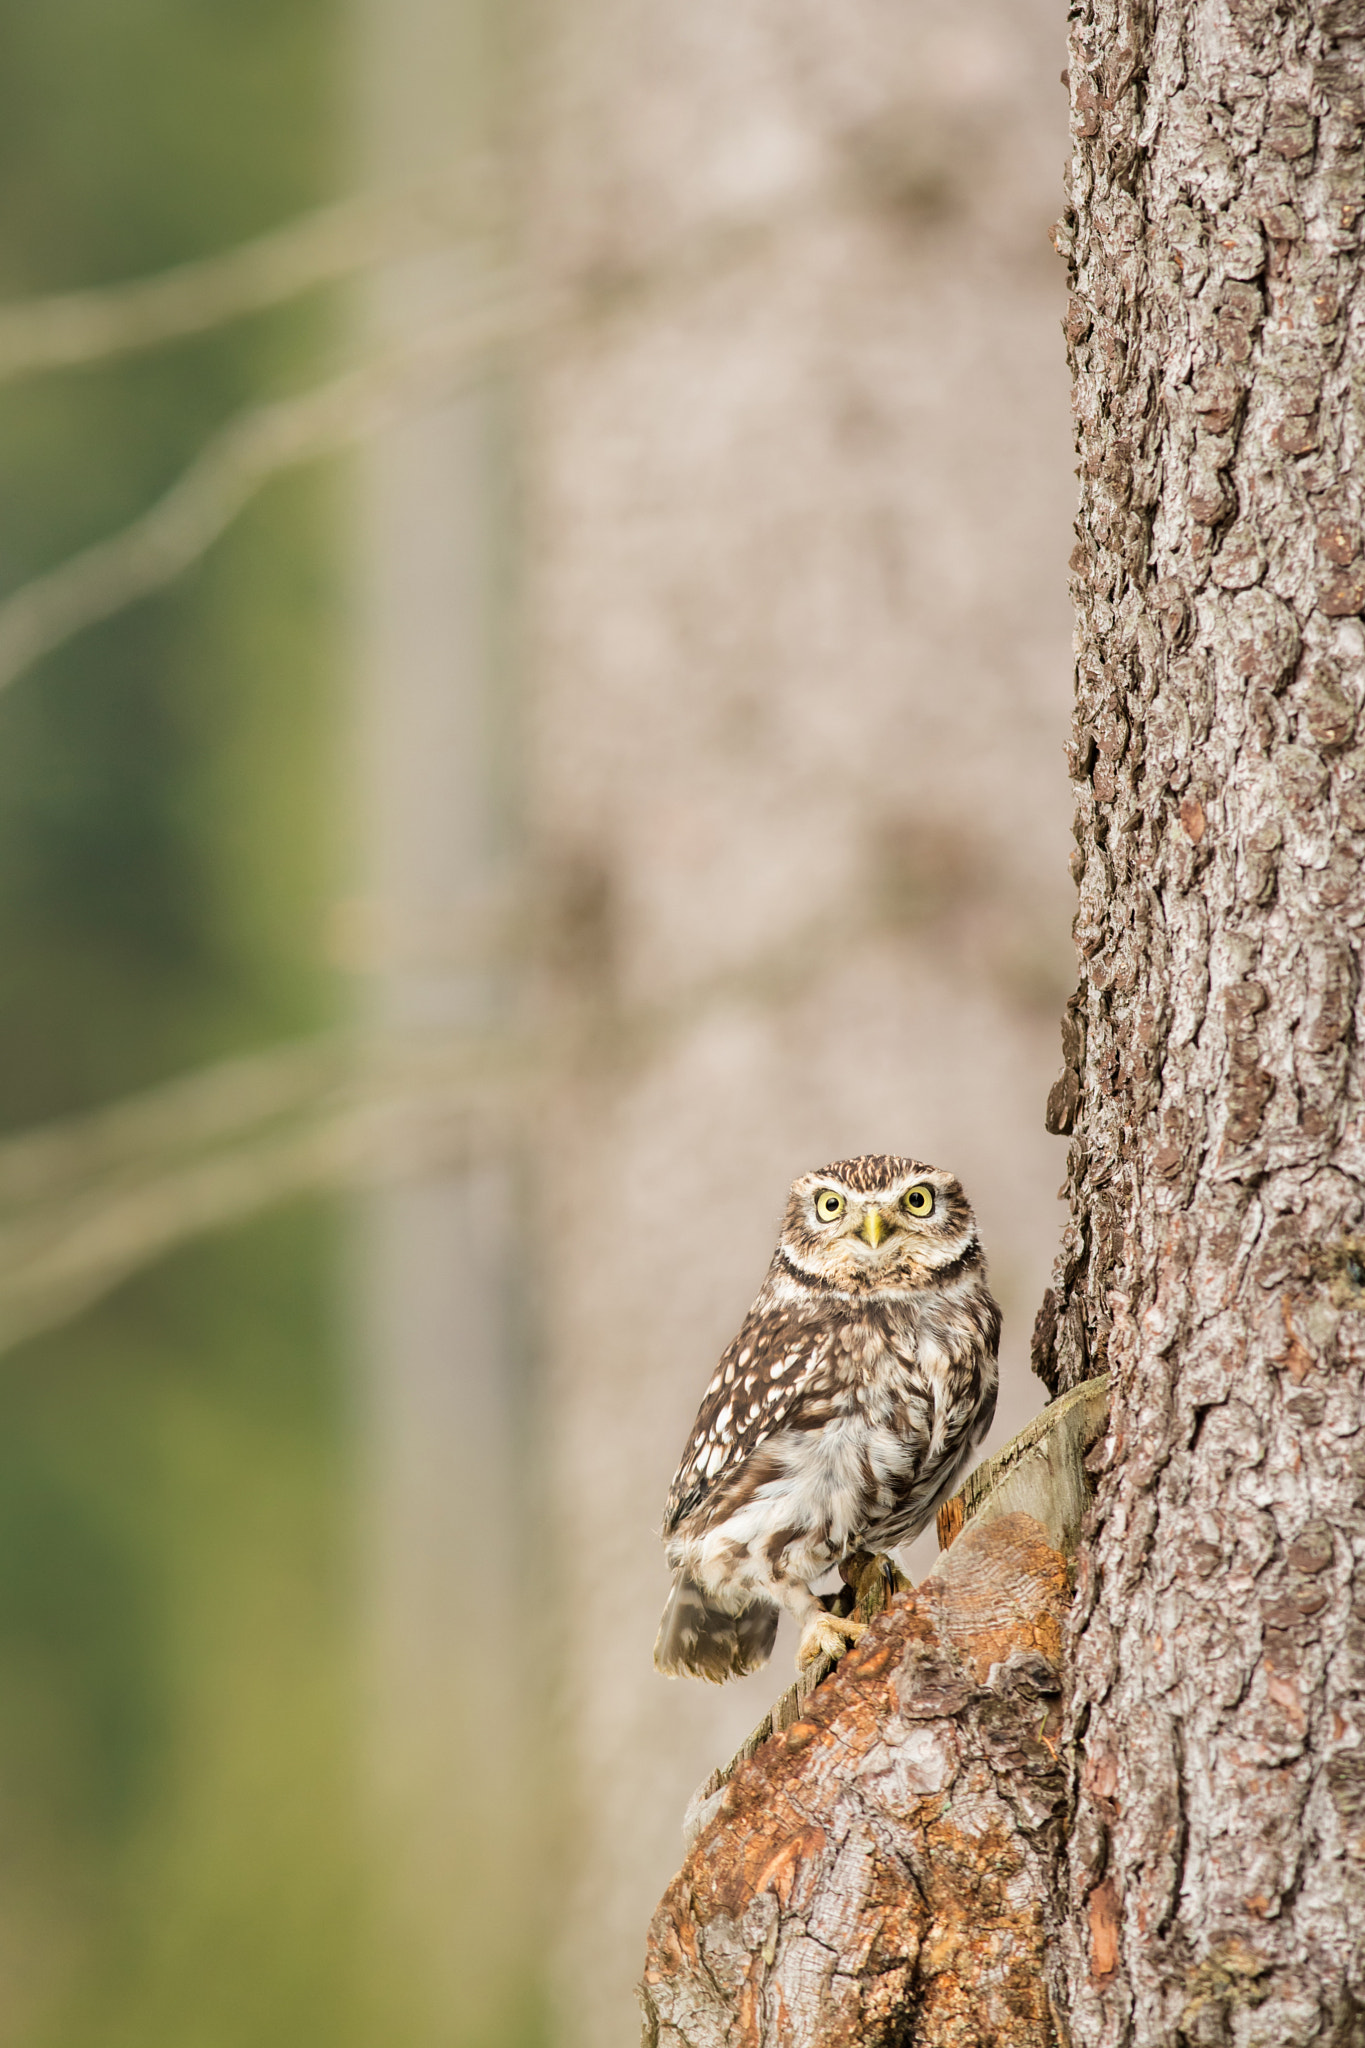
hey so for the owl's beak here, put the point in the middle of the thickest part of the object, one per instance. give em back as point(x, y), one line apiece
point(874, 1228)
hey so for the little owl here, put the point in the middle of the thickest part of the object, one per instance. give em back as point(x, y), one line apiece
point(843, 1412)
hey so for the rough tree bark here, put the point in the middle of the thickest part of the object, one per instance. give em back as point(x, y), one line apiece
point(1216, 1856)
point(1209, 1882)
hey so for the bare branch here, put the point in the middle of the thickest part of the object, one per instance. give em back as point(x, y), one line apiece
point(265, 439)
point(86, 1203)
point(257, 445)
point(320, 248)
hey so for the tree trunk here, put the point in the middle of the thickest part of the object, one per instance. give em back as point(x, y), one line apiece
point(1216, 1857)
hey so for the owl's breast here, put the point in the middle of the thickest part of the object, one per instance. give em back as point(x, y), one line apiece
point(923, 1405)
point(895, 1374)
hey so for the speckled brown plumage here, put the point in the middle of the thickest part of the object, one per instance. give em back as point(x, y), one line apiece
point(862, 1379)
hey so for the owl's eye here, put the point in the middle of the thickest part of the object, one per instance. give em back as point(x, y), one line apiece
point(828, 1205)
point(918, 1200)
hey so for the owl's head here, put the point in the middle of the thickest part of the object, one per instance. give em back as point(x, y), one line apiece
point(879, 1222)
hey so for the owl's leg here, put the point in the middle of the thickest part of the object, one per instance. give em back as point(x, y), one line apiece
point(822, 1634)
point(827, 1635)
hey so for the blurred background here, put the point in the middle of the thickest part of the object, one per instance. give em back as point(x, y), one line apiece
point(534, 657)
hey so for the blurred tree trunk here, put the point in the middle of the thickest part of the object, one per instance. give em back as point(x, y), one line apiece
point(1212, 1878)
point(443, 1413)
point(1216, 1857)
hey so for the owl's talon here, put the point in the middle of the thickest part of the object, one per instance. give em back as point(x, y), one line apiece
point(827, 1635)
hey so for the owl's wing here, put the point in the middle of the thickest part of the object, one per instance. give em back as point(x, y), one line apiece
point(776, 1373)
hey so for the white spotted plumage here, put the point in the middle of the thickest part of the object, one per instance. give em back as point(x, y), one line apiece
point(862, 1379)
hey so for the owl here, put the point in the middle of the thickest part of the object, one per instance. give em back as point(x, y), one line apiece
point(860, 1384)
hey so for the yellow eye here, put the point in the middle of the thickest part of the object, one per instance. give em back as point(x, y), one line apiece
point(828, 1205)
point(919, 1200)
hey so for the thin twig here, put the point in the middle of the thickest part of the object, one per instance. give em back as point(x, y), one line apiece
point(244, 455)
point(70, 328)
point(263, 440)
point(86, 1204)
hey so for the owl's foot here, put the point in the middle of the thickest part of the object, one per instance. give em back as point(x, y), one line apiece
point(827, 1635)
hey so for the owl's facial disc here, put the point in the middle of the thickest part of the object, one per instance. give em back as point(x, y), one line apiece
point(875, 1224)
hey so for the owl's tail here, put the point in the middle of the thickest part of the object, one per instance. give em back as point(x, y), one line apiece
point(698, 1640)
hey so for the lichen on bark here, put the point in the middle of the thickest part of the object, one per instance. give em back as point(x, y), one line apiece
point(1211, 1083)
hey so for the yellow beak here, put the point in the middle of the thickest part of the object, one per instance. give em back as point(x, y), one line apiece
point(874, 1228)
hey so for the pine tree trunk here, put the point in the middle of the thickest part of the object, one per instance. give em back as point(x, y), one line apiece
point(1216, 1859)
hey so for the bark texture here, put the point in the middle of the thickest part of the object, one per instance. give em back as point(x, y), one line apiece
point(876, 1871)
point(1213, 1264)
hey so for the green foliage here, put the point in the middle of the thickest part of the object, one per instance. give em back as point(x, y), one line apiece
point(179, 1853)
point(177, 1733)
point(141, 764)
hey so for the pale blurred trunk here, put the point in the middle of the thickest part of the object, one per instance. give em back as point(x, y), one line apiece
point(444, 1429)
point(799, 501)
